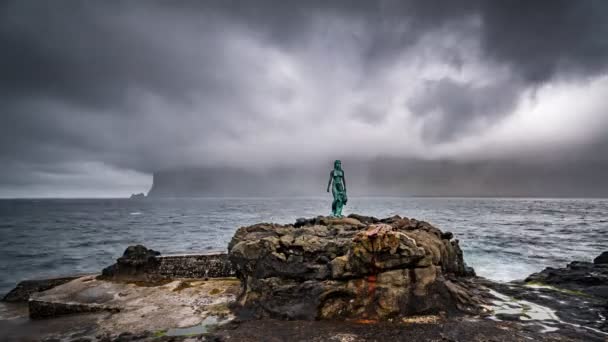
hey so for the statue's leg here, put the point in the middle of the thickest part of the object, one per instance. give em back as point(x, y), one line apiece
point(339, 206)
point(334, 204)
point(334, 209)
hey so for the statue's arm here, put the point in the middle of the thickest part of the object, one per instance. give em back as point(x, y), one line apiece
point(330, 178)
point(344, 180)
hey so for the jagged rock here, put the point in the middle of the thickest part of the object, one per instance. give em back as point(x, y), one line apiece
point(355, 267)
point(325, 220)
point(364, 219)
point(138, 196)
point(587, 277)
point(137, 263)
point(601, 259)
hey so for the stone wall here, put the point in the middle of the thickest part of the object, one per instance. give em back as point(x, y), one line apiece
point(196, 266)
point(139, 263)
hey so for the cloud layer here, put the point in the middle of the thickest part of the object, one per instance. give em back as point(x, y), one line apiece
point(98, 95)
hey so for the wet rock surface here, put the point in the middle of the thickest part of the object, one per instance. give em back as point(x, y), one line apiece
point(586, 277)
point(364, 278)
point(549, 310)
point(23, 290)
point(349, 268)
point(420, 328)
point(139, 308)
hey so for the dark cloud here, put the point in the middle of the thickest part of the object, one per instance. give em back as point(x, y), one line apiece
point(459, 107)
point(135, 87)
point(541, 39)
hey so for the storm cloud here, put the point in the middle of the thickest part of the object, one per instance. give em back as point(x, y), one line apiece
point(96, 96)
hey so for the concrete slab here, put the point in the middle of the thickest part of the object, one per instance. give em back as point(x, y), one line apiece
point(139, 307)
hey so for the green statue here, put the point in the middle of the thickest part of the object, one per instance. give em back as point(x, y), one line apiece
point(338, 190)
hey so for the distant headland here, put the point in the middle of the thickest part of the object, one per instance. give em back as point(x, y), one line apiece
point(388, 177)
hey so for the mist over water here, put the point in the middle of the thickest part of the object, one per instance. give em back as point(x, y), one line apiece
point(503, 239)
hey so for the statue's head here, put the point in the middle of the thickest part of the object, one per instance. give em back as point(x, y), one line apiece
point(337, 165)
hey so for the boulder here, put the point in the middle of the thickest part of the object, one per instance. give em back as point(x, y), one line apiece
point(601, 259)
point(137, 263)
point(349, 268)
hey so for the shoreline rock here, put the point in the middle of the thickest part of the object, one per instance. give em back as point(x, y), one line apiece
point(578, 276)
point(342, 268)
point(406, 279)
point(25, 288)
point(137, 263)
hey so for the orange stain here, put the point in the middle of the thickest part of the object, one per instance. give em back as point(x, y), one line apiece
point(366, 321)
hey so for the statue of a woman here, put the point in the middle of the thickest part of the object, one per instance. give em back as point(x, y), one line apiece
point(338, 190)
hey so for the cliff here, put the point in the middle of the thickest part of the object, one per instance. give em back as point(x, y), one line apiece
point(392, 177)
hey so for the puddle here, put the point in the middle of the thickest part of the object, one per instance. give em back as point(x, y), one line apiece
point(198, 329)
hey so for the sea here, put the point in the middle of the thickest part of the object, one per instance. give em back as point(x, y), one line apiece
point(502, 238)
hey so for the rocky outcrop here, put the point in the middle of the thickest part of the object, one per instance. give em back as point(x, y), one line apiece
point(23, 290)
point(586, 277)
point(601, 259)
point(349, 268)
point(137, 263)
point(361, 269)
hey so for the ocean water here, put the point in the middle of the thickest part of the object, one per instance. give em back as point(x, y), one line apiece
point(503, 239)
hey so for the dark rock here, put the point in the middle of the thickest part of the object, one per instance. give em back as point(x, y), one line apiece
point(601, 259)
point(23, 290)
point(330, 268)
point(469, 271)
point(447, 235)
point(138, 196)
point(300, 222)
point(508, 317)
point(391, 219)
point(44, 309)
point(304, 222)
point(196, 266)
point(137, 263)
point(364, 219)
point(569, 306)
point(589, 278)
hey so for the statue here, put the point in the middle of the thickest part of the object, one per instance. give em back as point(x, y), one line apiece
point(338, 190)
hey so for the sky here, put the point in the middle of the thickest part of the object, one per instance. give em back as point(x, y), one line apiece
point(488, 97)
